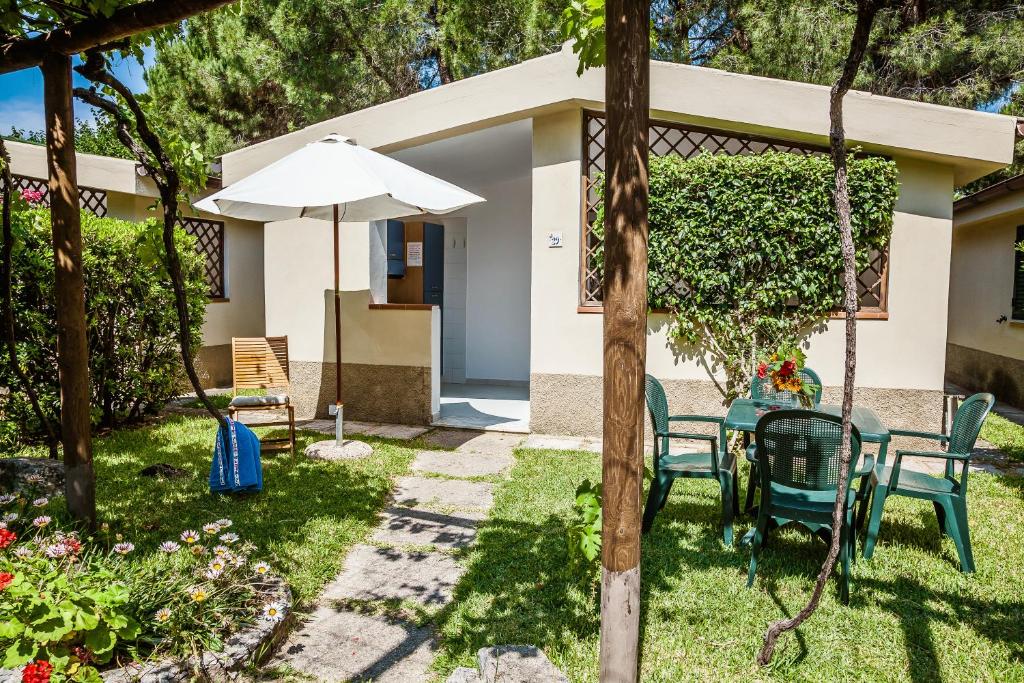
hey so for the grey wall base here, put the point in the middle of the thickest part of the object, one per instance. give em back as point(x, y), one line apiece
point(977, 370)
point(372, 393)
point(571, 404)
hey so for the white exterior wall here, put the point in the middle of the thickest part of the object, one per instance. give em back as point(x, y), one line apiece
point(907, 351)
point(498, 286)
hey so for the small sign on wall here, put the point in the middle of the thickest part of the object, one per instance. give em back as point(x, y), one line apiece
point(554, 239)
point(414, 254)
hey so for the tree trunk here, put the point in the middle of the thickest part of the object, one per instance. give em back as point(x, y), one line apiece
point(7, 306)
point(625, 333)
point(69, 290)
point(866, 10)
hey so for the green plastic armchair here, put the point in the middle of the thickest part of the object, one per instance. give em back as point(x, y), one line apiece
point(948, 494)
point(763, 390)
point(718, 464)
point(798, 455)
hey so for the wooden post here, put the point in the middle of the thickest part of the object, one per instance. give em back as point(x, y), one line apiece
point(69, 289)
point(625, 332)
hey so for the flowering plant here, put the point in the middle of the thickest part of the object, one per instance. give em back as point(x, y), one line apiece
point(782, 367)
point(72, 605)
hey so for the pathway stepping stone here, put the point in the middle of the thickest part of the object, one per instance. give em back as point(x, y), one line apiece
point(460, 464)
point(341, 646)
point(373, 573)
point(473, 442)
point(456, 493)
point(406, 526)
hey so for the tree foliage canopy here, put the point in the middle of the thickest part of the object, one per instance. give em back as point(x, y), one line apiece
point(261, 68)
point(743, 250)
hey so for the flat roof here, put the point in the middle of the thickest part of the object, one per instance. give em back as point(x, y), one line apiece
point(110, 174)
point(972, 143)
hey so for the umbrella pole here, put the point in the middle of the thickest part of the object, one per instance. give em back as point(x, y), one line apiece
point(338, 418)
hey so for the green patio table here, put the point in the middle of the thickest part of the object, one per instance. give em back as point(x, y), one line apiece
point(745, 412)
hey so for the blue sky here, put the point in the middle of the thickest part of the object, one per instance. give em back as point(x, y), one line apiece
point(21, 94)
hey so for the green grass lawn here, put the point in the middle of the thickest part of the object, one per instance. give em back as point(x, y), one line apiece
point(1005, 435)
point(305, 520)
point(913, 616)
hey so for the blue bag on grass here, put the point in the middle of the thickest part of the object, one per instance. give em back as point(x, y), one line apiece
point(236, 460)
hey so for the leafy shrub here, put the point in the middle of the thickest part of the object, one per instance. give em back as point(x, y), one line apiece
point(585, 532)
point(83, 603)
point(745, 252)
point(134, 360)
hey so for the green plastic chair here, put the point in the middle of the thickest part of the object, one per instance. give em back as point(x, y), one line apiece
point(948, 494)
point(798, 462)
point(764, 390)
point(717, 464)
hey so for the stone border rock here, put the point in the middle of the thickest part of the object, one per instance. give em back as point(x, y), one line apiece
point(247, 646)
point(14, 473)
point(330, 450)
point(510, 664)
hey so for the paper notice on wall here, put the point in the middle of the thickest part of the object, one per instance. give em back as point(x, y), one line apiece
point(414, 254)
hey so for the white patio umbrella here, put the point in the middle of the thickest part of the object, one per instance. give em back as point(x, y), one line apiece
point(336, 179)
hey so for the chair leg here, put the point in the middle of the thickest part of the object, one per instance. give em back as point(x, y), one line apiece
point(728, 506)
point(751, 488)
point(760, 531)
point(956, 524)
point(844, 561)
point(666, 488)
point(653, 503)
point(291, 429)
point(940, 514)
point(735, 490)
point(875, 520)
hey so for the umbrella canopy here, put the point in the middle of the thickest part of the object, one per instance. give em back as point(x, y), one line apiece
point(335, 171)
point(336, 179)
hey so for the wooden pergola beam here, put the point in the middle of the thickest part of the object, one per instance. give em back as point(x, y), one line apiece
point(23, 53)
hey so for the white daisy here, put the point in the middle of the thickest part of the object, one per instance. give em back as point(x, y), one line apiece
point(224, 523)
point(221, 550)
point(41, 502)
point(217, 565)
point(261, 568)
point(273, 612)
point(10, 517)
point(229, 538)
point(169, 547)
point(34, 479)
point(41, 521)
point(210, 529)
point(7, 498)
point(213, 573)
point(56, 550)
point(197, 594)
point(189, 536)
point(163, 615)
point(23, 552)
point(237, 560)
point(124, 548)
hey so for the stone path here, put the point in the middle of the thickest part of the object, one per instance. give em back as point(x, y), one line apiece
point(358, 629)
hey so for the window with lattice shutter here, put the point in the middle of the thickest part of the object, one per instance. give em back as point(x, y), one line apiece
point(1018, 276)
point(210, 244)
point(93, 201)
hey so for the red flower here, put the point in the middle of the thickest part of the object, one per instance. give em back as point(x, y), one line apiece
point(7, 537)
point(73, 545)
point(762, 370)
point(32, 196)
point(788, 368)
point(37, 672)
point(5, 579)
point(82, 653)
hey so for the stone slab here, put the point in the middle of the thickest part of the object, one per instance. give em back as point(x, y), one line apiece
point(347, 646)
point(555, 443)
point(420, 491)
point(460, 464)
point(406, 526)
point(330, 450)
point(386, 431)
point(517, 664)
point(373, 573)
point(464, 675)
point(470, 441)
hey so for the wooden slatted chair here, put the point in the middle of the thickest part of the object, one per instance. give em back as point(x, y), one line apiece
point(262, 363)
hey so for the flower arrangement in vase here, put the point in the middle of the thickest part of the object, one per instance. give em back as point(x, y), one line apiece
point(782, 368)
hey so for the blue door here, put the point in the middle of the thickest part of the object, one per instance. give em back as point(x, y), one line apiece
point(433, 264)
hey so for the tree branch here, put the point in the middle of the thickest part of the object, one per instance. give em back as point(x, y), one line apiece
point(866, 11)
point(159, 167)
point(84, 35)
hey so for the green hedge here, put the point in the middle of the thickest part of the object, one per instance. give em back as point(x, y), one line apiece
point(745, 251)
point(134, 361)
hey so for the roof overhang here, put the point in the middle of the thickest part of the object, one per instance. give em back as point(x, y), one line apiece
point(98, 172)
point(972, 143)
point(1001, 201)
